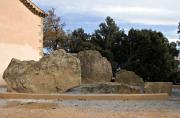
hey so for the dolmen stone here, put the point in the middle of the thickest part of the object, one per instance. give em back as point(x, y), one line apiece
point(129, 78)
point(55, 73)
point(109, 88)
point(158, 87)
point(95, 67)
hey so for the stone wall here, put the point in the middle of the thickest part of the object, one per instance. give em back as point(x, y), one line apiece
point(158, 87)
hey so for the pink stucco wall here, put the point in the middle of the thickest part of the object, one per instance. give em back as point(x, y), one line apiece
point(20, 34)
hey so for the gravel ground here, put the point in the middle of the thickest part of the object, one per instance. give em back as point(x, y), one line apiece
point(107, 105)
point(90, 109)
point(3, 89)
point(65, 112)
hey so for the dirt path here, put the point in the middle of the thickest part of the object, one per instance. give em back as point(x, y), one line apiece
point(2, 82)
point(89, 109)
point(26, 108)
point(72, 112)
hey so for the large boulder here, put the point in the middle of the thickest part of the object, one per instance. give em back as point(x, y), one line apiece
point(95, 68)
point(55, 73)
point(158, 87)
point(129, 78)
point(109, 88)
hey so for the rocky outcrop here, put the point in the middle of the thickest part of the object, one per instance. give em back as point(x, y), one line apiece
point(158, 87)
point(55, 73)
point(110, 88)
point(129, 78)
point(95, 68)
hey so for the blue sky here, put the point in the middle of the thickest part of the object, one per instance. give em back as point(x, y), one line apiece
point(159, 15)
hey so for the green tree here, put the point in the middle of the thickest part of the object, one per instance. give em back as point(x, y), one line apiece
point(106, 34)
point(79, 41)
point(173, 50)
point(150, 55)
point(80, 34)
point(106, 37)
point(54, 35)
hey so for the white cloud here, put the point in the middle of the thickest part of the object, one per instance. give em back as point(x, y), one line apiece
point(160, 15)
point(141, 15)
point(152, 12)
point(173, 40)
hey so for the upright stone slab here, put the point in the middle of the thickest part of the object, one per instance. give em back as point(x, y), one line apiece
point(95, 68)
point(110, 88)
point(55, 73)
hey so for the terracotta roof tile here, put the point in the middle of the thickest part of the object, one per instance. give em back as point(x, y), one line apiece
point(33, 8)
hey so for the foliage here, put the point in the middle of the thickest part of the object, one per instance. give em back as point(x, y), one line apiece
point(172, 49)
point(54, 35)
point(151, 56)
point(107, 37)
point(106, 34)
point(79, 41)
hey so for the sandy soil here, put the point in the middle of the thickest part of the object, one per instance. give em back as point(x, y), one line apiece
point(84, 113)
point(26, 108)
point(89, 109)
point(2, 82)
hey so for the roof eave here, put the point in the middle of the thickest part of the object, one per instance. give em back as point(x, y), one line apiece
point(34, 9)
